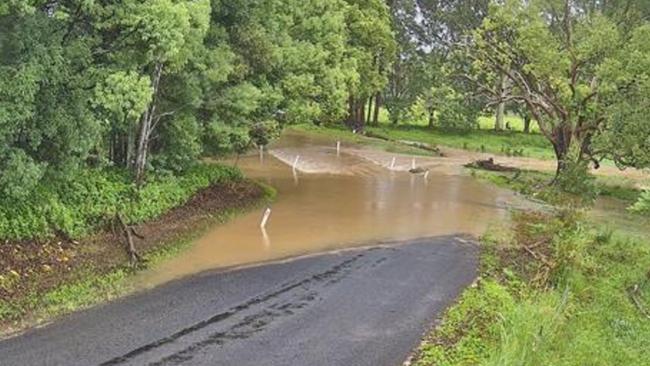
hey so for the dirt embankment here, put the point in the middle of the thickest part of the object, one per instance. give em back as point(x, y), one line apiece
point(32, 268)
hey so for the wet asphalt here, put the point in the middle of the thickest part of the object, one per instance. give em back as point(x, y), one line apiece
point(358, 307)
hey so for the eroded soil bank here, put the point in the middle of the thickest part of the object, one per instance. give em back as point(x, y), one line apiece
point(41, 267)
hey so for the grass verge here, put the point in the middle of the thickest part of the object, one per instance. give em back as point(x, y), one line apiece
point(553, 291)
point(535, 184)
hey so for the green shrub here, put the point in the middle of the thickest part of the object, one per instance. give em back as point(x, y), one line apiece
point(642, 205)
point(76, 208)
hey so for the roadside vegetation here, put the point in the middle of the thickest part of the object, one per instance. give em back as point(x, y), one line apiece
point(535, 184)
point(553, 290)
point(87, 274)
point(73, 209)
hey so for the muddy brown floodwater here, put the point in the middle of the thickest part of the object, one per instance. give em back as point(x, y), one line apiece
point(337, 201)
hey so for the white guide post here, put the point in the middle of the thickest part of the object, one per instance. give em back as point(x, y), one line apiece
point(265, 217)
point(295, 162)
point(392, 163)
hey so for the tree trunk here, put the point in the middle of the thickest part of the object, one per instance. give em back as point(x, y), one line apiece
point(146, 126)
point(561, 144)
point(369, 115)
point(360, 117)
point(499, 123)
point(432, 112)
point(526, 123)
point(351, 110)
point(129, 232)
point(375, 117)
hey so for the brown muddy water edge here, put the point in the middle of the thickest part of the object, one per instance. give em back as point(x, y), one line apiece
point(42, 267)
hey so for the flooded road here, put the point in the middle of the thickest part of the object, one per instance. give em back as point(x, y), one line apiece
point(333, 201)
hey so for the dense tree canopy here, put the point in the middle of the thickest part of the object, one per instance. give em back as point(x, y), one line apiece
point(580, 68)
point(151, 85)
point(146, 86)
point(423, 76)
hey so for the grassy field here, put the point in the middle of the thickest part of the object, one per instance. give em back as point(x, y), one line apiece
point(485, 122)
point(505, 143)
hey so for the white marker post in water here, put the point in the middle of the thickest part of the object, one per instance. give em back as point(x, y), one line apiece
point(295, 162)
point(338, 148)
point(392, 163)
point(412, 163)
point(265, 217)
point(426, 175)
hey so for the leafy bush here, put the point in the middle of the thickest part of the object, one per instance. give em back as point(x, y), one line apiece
point(263, 132)
point(76, 208)
point(576, 180)
point(643, 204)
point(182, 141)
point(457, 114)
point(18, 173)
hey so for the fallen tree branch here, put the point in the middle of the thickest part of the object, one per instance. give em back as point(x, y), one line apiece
point(129, 232)
point(490, 165)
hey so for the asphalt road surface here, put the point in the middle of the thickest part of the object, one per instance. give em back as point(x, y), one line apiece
point(358, 307)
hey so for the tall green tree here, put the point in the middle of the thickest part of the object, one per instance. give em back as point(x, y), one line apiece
point(371, 46)
point(567, 62)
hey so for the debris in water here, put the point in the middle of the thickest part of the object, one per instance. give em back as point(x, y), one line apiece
point(418, 170)
point(489, 164)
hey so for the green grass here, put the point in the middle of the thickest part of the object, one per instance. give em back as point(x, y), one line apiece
point(505, 143)
point(516, 123)
point(485, 122)
point(579, 313)
point(535, 184)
